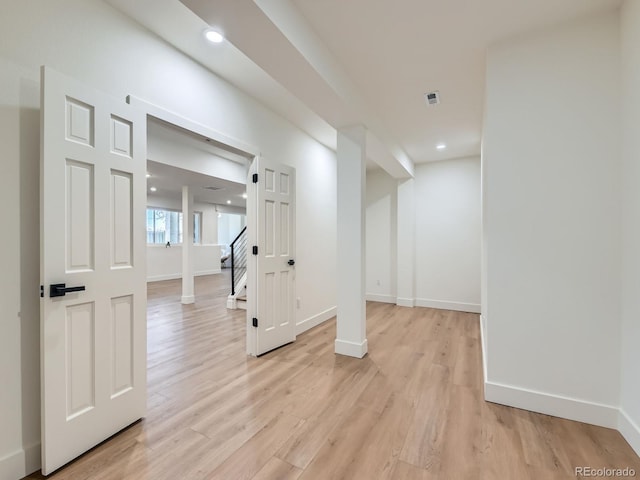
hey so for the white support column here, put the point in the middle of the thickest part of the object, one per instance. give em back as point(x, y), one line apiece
point(352, 319)
point(406, 246)
point(187, 246)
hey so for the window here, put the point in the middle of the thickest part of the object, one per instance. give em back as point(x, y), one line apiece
point(166, 226)
point(197, 221)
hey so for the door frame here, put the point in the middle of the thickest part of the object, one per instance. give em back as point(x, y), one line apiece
point(252, 153)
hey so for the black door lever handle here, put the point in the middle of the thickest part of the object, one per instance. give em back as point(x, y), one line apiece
point(61, 289)
point(291, 261)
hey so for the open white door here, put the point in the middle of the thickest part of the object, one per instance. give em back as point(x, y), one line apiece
point(93, 338)
point(273, 318)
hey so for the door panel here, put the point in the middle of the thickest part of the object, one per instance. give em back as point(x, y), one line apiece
point(80, 361)
point(93, 195)
point(276, 247)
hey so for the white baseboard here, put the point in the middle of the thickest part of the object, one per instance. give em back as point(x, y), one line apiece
point(176, 276)
point(21, 463)
point(405, 302)
point(315, 320)
point(351, 349)
point(629, 430)
point(161, 278)
point(558, 406)
point(12, 467)
point(202, 273)
point(442, 305)
point(549, 404)
point(374, 297)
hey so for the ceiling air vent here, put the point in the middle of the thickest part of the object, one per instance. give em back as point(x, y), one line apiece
point(213, 188)
point(432, 98)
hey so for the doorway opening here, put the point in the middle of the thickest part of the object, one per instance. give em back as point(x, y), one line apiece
point(185, 342)
point(191, 176)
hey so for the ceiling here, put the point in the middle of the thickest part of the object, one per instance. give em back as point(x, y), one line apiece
point(334, 63)
point(168, 181)
point(396, 51)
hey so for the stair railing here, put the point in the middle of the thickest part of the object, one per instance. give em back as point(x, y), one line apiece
point(238, 259)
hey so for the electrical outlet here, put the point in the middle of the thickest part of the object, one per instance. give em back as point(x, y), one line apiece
point(378, 282)
point(298, 302)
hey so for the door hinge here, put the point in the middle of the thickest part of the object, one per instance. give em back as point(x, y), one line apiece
point(255, 178)
point(41, 291)
point(255, 249)
point(255, 322)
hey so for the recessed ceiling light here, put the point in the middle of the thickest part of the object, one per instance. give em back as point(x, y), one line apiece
point(153, 189)
point(228, 202)
point(441, 146)
point(213, 36)
point(244, 195)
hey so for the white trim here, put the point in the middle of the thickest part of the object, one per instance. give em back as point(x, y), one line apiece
point(405, 302)
point(443, 305)
point(171, 117)
point(160, 278)
point(629, 430)
point(351, 349)
point(232, 302)
point(564, 407)
point(374, 297)
point(315, 320)
point(483, 346)
point(13, 466)
point(20, 463)
point(176, 276)
point(202, 273)
point(188, 299)
point(549, 404)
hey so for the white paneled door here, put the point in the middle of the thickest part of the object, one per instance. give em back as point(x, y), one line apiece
point(93, 305)
point(275, 265)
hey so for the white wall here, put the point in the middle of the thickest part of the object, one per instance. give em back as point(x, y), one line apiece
point(92, 42)
point(316, 225)
point(209, 227)
point(551, 181)
point(166, 263)
point(229, 226)
point(448, 234)
point(630, 396)
point(19, 304)
point(381, 236)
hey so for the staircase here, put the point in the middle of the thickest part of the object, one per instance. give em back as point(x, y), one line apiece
point(238, 297)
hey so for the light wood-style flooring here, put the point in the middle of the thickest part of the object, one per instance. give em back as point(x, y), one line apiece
point(411, 409)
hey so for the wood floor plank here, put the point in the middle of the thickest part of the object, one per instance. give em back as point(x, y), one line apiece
point(406, 471)
point(424, 442)
point(461, 442)
point(343, 444)
point(412, 409)
point(277, 469)
point(383, 442)
point(248, 460)
point(300, 449)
